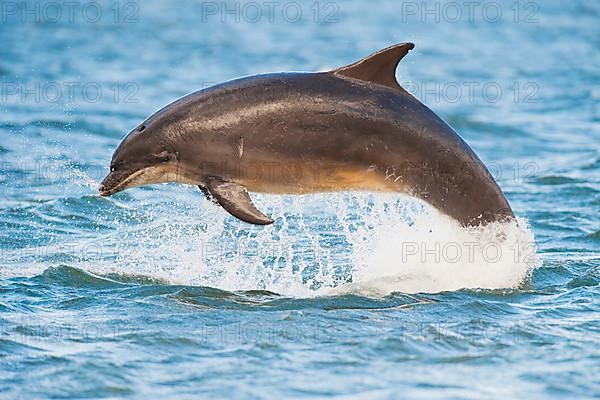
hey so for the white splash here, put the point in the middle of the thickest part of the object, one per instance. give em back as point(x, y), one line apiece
point(322, 244)
point(435, 254)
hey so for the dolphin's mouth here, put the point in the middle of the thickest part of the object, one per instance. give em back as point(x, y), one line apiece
point(117, 181)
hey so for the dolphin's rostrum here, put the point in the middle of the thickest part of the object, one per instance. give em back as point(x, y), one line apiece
point(353, 128)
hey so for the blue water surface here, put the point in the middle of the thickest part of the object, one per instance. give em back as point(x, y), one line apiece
point(129, 297)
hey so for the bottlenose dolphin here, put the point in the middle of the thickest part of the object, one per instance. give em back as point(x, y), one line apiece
point(352, 128)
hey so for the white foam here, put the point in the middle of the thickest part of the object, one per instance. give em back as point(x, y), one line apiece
point(323, 244)
point(434, 254)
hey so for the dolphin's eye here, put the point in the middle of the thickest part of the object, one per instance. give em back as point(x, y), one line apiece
point(114, 166)
point(141, 128)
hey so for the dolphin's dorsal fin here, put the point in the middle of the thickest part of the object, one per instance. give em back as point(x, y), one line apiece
point(379, 67)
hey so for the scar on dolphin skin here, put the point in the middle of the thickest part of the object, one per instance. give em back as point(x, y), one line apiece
point(357, 118)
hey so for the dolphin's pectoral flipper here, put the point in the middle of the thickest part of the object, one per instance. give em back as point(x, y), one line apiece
point(235, 199)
